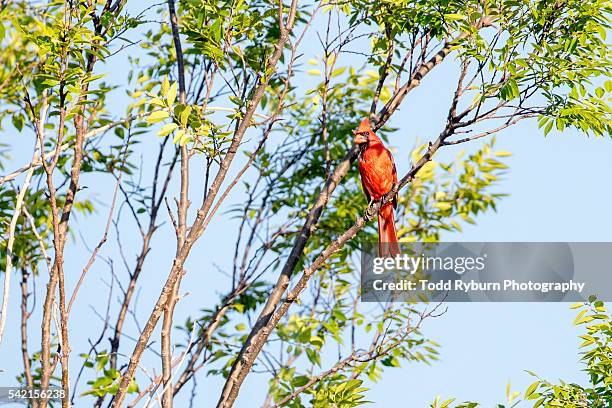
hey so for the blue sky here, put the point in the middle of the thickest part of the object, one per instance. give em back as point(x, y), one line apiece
point(558, 192)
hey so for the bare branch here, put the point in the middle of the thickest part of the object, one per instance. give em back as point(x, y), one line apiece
point(8, 270)
point(181, 230)
point(198, 225)
point(37, 161)
point(25, 315)
point(270, 315)
point(102, 241)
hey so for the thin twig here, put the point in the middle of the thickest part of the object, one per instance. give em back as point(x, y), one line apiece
point(102, 241)
point(8, 270)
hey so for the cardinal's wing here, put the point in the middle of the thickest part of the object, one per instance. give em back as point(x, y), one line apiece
point(393, 174)
point(363, 186)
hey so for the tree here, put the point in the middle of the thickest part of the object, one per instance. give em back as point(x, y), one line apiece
point(218, 81)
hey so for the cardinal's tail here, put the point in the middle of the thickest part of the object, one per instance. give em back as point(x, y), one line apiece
point(387, 236)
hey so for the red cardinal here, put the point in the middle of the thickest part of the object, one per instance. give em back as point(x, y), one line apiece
point(378, 175)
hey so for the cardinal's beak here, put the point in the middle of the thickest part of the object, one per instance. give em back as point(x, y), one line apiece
point(360, 138)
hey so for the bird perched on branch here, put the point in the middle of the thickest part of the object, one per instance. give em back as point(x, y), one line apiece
point(378, 176)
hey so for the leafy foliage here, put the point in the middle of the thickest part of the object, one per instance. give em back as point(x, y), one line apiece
point(539, 59)
point(596, 358)
point(107, 381)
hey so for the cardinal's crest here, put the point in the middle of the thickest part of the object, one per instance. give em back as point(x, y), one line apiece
point(364, 126)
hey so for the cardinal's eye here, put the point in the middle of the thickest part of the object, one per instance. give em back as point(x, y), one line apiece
point(367, 133)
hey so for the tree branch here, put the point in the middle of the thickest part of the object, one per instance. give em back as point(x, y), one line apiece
point(264, 324)
point(38, 161)
point(197, 227)
point(183, 204)
point(8, 270)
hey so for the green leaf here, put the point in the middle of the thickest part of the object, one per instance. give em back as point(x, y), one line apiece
point(338, 71)
point(577, 305)
point(443, 205)
point(167, 129)
point(178, 136)
point(514, 88)
point(133, 387)
point(531, 389)
point(172, 94)
point(235, 100)
point(299, 381)
point(185, 115)
point(18, 121)
point(579, 317)
point(185, 139)
point(165, 87)
point(93, 78)
point(313, 356)
point(157, 102)
point(446, 403)
point(548, 127)
point(454, 17)
point(157, 116)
